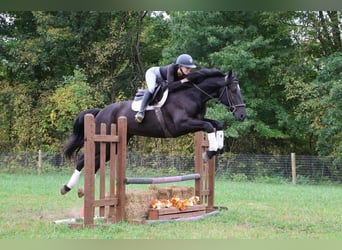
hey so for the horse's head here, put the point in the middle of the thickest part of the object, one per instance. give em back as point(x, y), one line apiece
point(230, 96)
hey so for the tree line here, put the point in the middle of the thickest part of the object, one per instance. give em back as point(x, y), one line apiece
point(55, 64)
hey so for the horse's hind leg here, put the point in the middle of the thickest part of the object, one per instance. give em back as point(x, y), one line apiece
point(75, 176)
point(80, 192)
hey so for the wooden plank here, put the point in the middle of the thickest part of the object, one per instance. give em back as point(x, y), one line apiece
point(102, 170)
point(106, 202)
point(89, 177)
point(181, 215)
point(204, 193)
point(173, 212)
point(198, 162)
point(194, 218)
point(121, 168)
point(106, 138)
point(211, 183)
point(112, 175)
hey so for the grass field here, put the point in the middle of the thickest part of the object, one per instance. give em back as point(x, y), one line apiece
point(30, 203)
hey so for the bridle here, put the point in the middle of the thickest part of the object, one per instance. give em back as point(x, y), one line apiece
point(231, 107)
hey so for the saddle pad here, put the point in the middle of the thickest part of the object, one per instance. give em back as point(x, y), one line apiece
point(136, 104)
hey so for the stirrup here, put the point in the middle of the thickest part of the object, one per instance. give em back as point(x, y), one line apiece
point(139, 117)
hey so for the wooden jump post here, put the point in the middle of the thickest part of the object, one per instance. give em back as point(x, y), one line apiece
point(116, 143)
point(115, 140)
point(204, 186)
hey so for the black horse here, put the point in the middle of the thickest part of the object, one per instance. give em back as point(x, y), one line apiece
point(182, 113)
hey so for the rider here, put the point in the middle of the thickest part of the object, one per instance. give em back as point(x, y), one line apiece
point(170, 73)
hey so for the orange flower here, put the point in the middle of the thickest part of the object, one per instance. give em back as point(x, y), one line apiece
point(181, 205)
point(174, 201)
point(165, 203)
point(155, 204)
point(194, 199)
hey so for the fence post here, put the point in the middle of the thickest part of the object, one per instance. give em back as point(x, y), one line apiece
point(293, 168)
point(39, 162)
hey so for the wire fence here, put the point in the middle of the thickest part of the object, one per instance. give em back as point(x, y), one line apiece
point(238, 167)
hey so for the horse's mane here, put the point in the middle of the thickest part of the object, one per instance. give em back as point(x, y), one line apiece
point(195, 77)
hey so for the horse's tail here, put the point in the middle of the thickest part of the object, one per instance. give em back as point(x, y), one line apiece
point(76, 140)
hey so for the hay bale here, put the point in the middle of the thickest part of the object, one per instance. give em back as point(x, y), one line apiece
point(162, 192)
point(137, 204)
point(173, 191)
point(138, 201)
point(183, 192)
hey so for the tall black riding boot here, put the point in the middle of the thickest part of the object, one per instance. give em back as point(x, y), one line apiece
point(145, 101)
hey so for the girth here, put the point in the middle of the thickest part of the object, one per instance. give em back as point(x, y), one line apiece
point(161, 120)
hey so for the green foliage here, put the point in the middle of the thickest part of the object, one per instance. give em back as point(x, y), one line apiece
point(63, 105)
point(239, 177)
point(329, 132)
point(54, 64)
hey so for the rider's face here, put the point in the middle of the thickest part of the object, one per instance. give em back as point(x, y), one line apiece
point(185, 70)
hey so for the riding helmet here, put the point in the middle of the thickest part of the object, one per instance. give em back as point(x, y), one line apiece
point(185, 60)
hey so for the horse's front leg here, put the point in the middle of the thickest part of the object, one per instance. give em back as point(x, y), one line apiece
point(219, 133)
point(193, 125)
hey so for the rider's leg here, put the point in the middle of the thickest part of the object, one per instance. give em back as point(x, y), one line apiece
point(145, 101)
point(151, 78)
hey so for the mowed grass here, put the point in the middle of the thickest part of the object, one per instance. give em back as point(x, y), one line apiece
point(30, 203)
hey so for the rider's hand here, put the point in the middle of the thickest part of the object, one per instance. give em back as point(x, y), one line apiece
point(184, 80)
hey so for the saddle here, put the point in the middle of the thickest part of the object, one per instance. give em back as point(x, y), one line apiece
point(158, 99)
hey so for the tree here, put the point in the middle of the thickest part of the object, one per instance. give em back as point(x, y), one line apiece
point(317, 88)
point(60, 107)
point(40, 48)
point(256, 45)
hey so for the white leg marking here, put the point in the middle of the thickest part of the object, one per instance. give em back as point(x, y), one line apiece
point(220, 138)
point(213, 145)
point(74, 179)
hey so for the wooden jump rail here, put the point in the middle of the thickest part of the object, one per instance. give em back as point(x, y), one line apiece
point(158, 180)
point(115, 140)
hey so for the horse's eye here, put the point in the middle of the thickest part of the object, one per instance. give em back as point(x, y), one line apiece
point(233, 87)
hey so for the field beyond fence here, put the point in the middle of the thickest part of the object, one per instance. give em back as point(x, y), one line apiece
point(237, 167)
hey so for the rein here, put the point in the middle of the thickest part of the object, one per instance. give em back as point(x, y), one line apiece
point(231, 107)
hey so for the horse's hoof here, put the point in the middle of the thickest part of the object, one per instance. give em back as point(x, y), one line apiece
point(80, 192)
point(64, 189)
point(205, 157)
